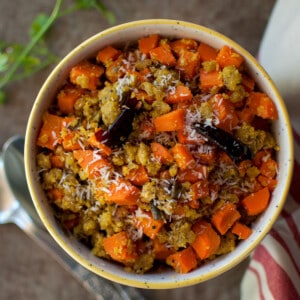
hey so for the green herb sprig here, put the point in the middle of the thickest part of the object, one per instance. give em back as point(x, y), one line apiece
point(19, 61)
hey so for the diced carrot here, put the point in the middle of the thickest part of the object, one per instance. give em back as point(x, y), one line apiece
point(161, 250)
point(248, 83)
point(207, 240)
point(225, 217)
point(161, 153)
point(138, 176)
point(199, 189)
point(183, 261)
point(57, 161)
point(70, 141)
point(187, 136)
point(210, 79)
point(142, 95)
point(205, 155)
point(180, 45)
point(199, 172)
point(257, 202)
point(67, 98)
point(148, 43)
point(107, 54)
point(179, 210)
point(146, 130)
point(207, 52)
point(269, 168)
point(148, 224)
point(224, 112)
point(224, 158)
point(171, 121)
point(55, 194)
point(227, 57)
point(91, 161)
point(181, 94)
point(50, 133)
point(122, 192)
point(183, 156)
point(145, 74)
point(103, 149)
point(188, 64)
point(120, 248)
point(268, 182)
point(245, 115)
point(241, 230)
point(86, 75)
point(116, 69)
point(260, 157)
point(163, 54)
point(262, 105)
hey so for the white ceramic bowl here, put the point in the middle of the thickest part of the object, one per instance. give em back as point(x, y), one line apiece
point(168, 279)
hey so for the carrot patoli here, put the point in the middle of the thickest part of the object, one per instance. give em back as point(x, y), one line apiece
point(122, 192)
point(199, 189)
point(55, 194)
point(248, 83)
point(225, 217)
point(57, 161)
point(224, 112)
point(163, 54)
point(148, 43)
point(171, 121)
point(120, 248)
point(229, 57)
point(207, 240)
point(86, 75)
point(161, 250)
point(67, 98)
point(183, 261)
point(187, 136)
point(91, 161)
point(107, 54)
point(161, 153)
point(210, 79)
point(269, 168)
point(257, 202)
point(116, 69)
point(245, 115)
point(180, 94)
point(199, 172)
point(188, 64)
point(241, 230)
point(267, 182)
point(50, 132)
point(70, 140)
point(148, 224)
point(138, 176)
point(207, 52)
point(262, 105)
point(103, 149)
point(181, 45)
point(183, 156)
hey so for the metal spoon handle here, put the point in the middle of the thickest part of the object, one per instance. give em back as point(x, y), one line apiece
point(101, 288)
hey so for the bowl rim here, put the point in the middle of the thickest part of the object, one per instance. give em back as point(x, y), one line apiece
point(32, 179)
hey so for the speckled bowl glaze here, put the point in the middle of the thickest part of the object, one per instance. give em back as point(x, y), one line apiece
point(119, 35)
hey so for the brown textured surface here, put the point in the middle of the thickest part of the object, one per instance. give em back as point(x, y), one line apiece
point(27, 271)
